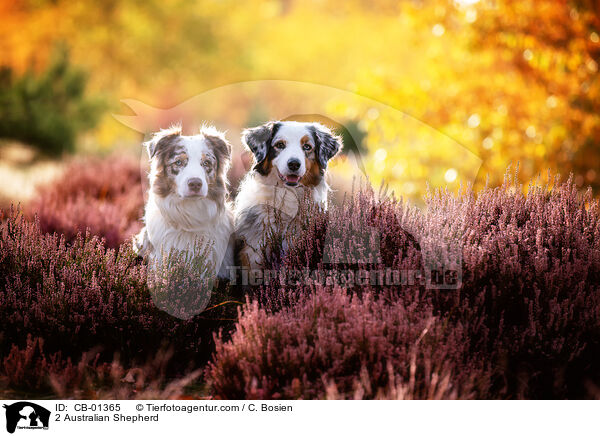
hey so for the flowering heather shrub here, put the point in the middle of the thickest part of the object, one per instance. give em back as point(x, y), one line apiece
point(102, 196)
point(362, 234)
point(81, 296)
point(30, 370)
point(182, 284)
point(334, 344)
point(524, 324)
point(531, 293)
point(363, 230)
point(114, 381)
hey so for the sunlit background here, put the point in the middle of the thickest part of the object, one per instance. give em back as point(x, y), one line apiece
point(444, 92)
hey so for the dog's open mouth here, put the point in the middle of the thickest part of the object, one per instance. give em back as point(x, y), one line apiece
point(290, 179)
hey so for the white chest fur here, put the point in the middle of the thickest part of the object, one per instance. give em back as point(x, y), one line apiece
point(254, 219)
point(254, 191)
point(186, 225)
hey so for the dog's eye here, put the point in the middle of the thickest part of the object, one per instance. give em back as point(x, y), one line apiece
point(179, 162)
point(306, 146)
point(280, 145)
point(206, 164)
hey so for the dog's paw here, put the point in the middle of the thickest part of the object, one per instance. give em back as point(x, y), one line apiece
point(141, 244)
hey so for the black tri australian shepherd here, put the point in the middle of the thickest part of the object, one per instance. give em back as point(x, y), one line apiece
point(290, 164)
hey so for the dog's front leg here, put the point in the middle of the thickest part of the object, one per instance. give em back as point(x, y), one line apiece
point(250, 255)
point(228, 260)
point(141, 244)
point(251, 227)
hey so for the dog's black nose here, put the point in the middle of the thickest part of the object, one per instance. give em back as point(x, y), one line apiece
point(293, 164)
point(195, 184)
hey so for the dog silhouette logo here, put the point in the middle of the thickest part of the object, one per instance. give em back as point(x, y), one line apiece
point(26, 415)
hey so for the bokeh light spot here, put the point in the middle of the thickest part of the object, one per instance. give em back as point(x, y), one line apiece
point(450, 175)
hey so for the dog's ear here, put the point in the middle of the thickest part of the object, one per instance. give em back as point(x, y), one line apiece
point(258, 139)
point(327, 145)
point(160, 139)
point(219, 144)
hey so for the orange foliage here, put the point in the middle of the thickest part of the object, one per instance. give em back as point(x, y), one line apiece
point(510, 80)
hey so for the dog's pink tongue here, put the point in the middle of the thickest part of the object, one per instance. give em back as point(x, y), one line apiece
point(291, 179)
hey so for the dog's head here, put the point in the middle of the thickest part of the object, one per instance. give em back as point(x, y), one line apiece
point(297, 152)
point(189, 166)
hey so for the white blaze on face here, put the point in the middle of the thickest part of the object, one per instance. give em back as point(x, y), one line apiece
point(196, 170)
point(291, 133)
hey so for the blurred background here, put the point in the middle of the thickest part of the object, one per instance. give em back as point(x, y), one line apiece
point(425, 92)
